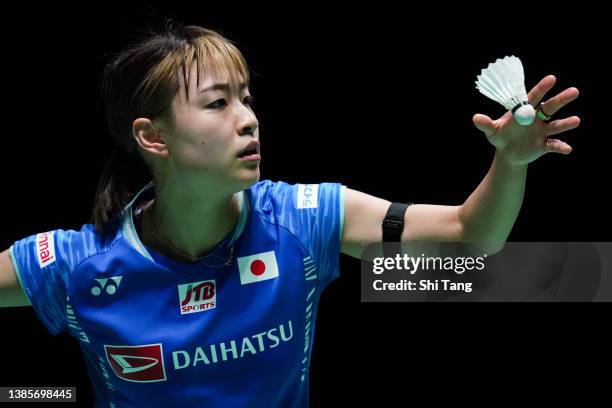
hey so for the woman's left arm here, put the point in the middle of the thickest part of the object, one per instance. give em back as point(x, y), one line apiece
point(487, 216)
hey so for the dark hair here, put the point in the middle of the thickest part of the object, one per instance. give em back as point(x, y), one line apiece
point(141, 81)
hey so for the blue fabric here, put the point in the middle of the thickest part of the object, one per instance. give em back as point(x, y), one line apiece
point(157, 332)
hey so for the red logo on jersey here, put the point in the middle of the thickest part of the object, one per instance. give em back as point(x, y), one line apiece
point(137, 363)
point(197, 296)
point(45, 249)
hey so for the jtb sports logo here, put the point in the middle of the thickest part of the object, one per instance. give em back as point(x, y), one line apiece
point(45, 249)
point(197, 296)
point(137, 363)
point(258, 267)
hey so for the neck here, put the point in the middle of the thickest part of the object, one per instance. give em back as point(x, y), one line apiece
point(185, 223)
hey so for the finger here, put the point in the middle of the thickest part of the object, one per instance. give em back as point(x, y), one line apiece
point(484, 124)
point(557, 146)
point(551, 106)
point(537, 92)
point(562, 125)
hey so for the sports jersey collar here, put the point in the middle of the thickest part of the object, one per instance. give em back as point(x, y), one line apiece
point(129, 230)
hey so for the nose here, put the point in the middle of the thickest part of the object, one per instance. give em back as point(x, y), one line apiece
point(247, 121)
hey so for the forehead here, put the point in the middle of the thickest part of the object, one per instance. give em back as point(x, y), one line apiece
point(205, 75)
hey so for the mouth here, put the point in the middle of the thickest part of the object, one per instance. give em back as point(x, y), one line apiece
point(251, 152)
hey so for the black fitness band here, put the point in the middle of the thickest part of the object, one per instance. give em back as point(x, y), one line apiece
point(393, 226)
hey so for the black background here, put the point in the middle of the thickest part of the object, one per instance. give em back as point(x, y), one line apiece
point(379, 98)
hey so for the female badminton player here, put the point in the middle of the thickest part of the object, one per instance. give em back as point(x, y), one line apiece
point(201, 287)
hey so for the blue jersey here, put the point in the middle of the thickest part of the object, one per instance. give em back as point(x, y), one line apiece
point(157, 332)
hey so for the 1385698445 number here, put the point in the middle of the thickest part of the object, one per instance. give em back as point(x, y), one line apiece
point(37, 393)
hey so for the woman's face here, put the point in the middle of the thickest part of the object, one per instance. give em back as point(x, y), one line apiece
point(211, 128)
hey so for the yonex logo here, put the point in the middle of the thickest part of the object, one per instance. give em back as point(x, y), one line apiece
point(308, 195)
point(137, 363)
point(109, 286)
point(45, 249)
point(197, 296)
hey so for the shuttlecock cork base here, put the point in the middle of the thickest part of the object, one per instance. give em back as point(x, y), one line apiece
point(504, 82)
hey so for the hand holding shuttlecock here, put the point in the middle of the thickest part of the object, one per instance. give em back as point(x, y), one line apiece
point(521, 135)
point(504, 82)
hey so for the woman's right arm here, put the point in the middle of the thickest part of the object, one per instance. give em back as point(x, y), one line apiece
point(11, 293)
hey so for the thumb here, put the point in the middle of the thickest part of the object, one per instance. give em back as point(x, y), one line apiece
point(484, 123)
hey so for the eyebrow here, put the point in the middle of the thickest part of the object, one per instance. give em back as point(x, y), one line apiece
point(222, 87)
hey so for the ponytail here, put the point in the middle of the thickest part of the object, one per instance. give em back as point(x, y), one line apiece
point(123, 175)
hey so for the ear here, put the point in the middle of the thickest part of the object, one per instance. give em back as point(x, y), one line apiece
point(149, 137)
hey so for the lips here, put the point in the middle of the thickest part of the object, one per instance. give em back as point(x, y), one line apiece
point(251, 149)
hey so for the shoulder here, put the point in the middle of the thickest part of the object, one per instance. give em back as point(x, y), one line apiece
point(59, 248)
point(268, 195)
point(312, 212)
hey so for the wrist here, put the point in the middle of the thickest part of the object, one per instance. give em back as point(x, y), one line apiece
point(503, 160)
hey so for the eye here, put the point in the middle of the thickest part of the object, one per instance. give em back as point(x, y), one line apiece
point(219, 103)
point(249, 100)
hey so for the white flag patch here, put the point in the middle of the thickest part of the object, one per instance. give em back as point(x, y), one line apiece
point(257, 268)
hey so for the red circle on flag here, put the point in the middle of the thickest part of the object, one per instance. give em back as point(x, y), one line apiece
point(258, 267)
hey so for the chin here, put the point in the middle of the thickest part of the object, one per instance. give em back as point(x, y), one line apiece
point(245, 179)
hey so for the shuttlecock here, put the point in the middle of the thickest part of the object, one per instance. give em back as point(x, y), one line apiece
point(504, 82)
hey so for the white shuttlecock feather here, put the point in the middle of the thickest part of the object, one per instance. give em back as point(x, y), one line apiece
point(504, 82)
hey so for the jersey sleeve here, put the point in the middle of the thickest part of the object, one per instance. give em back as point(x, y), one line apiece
point(315, 214)
point(43, 264)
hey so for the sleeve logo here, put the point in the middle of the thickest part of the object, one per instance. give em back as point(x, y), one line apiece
point(45, 249)
point(307, 195)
